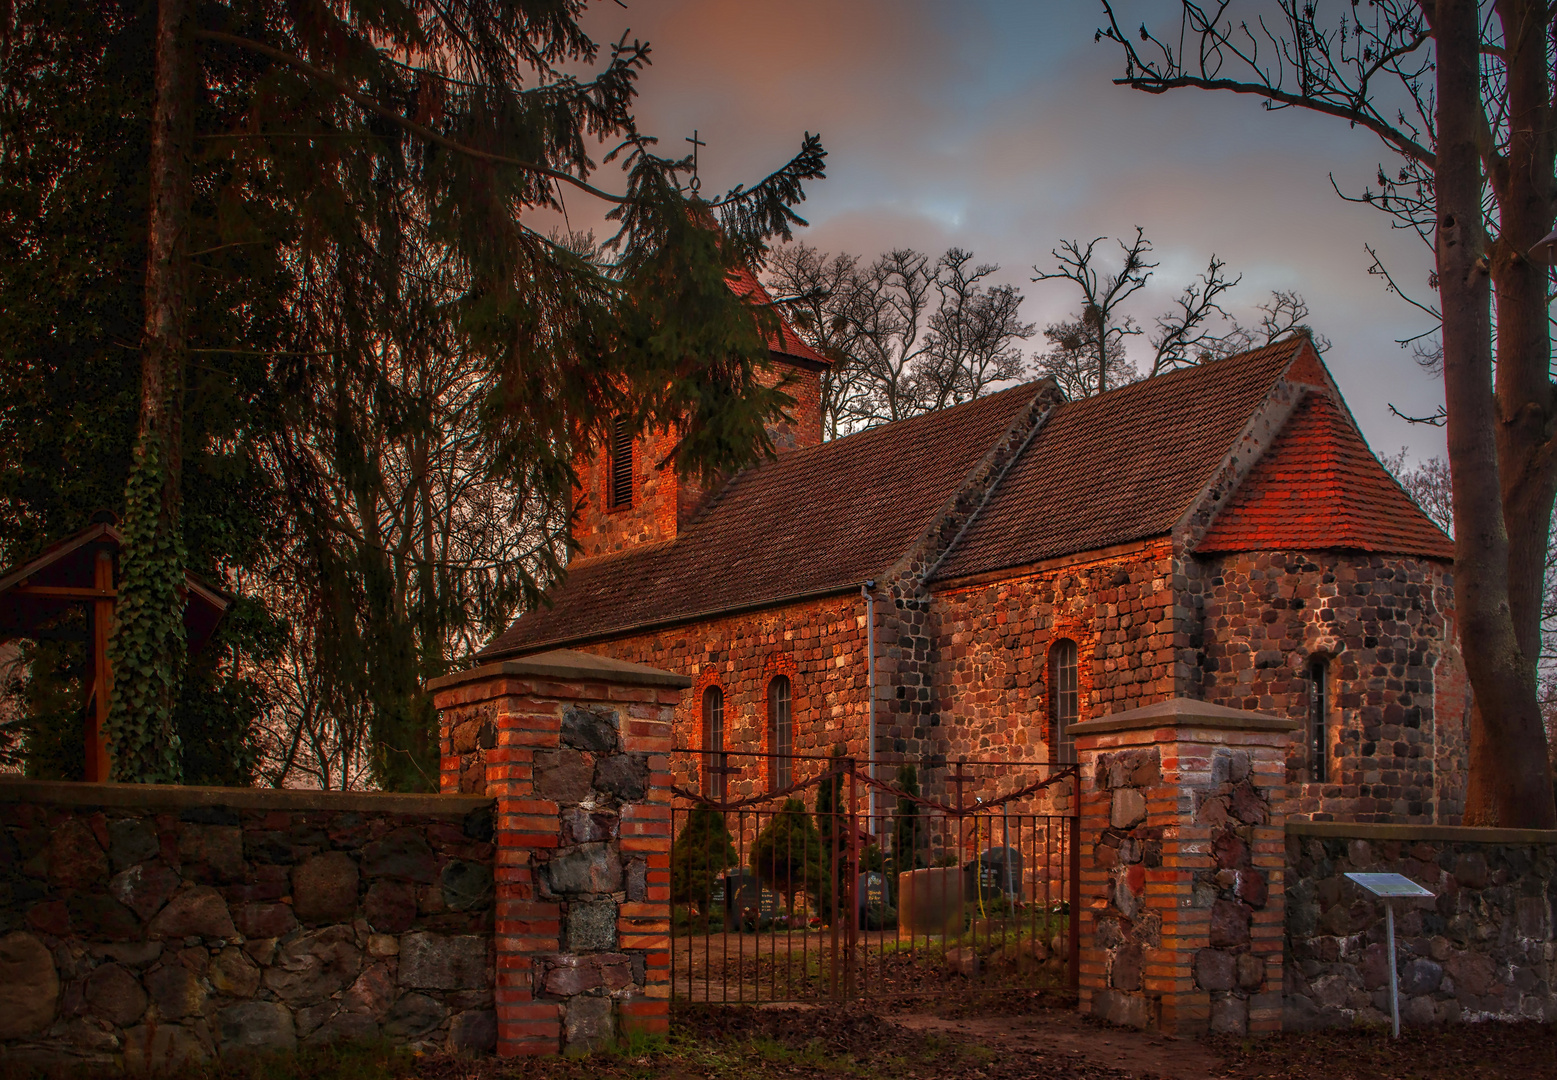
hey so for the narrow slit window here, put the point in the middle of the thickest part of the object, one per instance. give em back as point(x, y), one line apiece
point(1319, 720)
point(621, 479)
point(781, 733)
point(713, 744)
point(1064, 698)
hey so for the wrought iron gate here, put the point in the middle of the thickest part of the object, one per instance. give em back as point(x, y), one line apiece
point(843, 885)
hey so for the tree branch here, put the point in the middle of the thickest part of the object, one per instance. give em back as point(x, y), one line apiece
point(421, 131)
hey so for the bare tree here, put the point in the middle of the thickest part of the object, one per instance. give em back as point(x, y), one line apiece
point(1427, 484)
point(819, 294)
point(1102, 327)
point(1089, 352)
point(973, 333)
point(905, 335)
point(1459, 91)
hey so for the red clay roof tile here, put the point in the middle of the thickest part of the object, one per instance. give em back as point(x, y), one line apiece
point(1319, 487)
point(786, 342)
point(824, 518)
point(1120, 466)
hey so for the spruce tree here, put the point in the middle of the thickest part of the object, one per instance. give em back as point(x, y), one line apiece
point(787, 854)
point(379, 169)
point(701, 852)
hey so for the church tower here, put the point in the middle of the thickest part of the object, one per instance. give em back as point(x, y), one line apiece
point(627, 498)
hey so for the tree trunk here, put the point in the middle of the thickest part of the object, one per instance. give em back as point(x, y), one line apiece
point(148, 641)
point(1510, 781)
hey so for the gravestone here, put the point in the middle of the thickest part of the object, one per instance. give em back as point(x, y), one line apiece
point(745, 897)
point(875, 914)
point(994, 873)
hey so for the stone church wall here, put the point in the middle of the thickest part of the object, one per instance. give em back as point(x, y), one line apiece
point(1398, 692)
point(820, 644)
point(149, 925)
point(992, 646)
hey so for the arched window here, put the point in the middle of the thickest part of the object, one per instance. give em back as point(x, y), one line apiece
point(714, 756)
point(1064, 698)
point(781, 732)
point(1318, 734)
point(620, 479)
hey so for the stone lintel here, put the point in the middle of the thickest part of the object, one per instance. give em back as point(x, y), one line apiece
point(1183, 712)
point(565, 665)
point(176, 796)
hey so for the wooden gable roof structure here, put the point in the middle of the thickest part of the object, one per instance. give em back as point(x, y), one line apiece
point(82, 569)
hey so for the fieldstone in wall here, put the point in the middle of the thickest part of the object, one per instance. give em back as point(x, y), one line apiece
point(145, 888)
point(592, 729)
point(175, 991)
point(178, 933)
point(444, 961)
point(565, 776)
point(592, 926)
point(255, 1026)
point(590, 1024)
point(403, 855)
point(473, 1031)
point(1467, 955)
point(131, 841)
point(196, 912)
point(93, 915)
point(624, 777)
point(113, 993)
point(588, 868)
point(1214, 969)
point(29, 986)
point(373, 992)
point(234, 973)
point(324, 888)
point(413, 1016)
point(1128, 810)
point(214, 852)
point(313, 966)
point(466, 885)
point(265, 920)
point(76, 859)
point(390, 906)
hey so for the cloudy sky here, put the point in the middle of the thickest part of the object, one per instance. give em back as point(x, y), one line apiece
point(995, 126)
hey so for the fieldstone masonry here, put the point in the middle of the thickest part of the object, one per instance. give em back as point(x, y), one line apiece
point(1484, 949)
point(576, 751)
point(145, 926)
point(1182, 867)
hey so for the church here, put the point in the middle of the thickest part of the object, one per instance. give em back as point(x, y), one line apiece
point(1019, 563)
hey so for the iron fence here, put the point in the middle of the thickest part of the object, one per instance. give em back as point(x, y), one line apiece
point(842, 885)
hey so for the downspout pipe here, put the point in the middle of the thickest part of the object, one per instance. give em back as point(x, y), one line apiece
point(868, 591)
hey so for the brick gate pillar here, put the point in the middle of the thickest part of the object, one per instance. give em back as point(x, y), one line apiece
point(575, 750)
point(1183, 810)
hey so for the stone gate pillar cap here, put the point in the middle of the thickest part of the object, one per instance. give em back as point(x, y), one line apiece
point(1184, 712)
point(566, 664)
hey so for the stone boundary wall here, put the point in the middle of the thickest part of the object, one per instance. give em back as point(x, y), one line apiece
point(143, 926)
point(1484, 949)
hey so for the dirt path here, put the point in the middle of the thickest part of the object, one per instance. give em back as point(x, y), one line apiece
point(1066, 1034)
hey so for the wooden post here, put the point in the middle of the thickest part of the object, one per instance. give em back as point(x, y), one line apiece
point(97, 764)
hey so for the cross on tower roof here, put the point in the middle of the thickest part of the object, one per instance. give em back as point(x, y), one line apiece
point(695, 183)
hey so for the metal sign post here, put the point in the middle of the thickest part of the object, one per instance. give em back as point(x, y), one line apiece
point(1388, 888)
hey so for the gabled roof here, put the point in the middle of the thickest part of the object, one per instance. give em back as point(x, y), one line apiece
point(786, 342)
point(1120, 466)
point(817, 520)
point(65, 567)
point(1319, 486)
